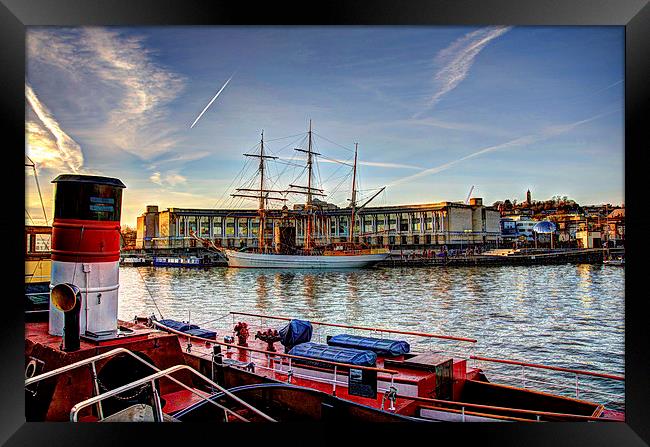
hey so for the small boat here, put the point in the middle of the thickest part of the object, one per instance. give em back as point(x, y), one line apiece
point(615, 261)
point(132, 261)
point(380, 372)
point(179, 261)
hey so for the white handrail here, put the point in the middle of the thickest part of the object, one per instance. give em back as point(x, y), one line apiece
point(116, 351)
point(165, 373)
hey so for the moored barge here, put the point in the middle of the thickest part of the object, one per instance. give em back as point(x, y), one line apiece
point(382, 373)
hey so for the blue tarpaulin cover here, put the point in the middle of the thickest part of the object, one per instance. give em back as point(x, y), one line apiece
point(294, 333)
point(335, 354)
point(204, 333)
point(381, 346)
point(178, 325)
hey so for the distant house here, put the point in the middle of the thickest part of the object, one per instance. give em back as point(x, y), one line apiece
point(615, 228)
point(509, 231)
point(517, 226)
point(588, 239)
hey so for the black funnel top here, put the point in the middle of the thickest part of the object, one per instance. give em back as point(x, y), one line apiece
point(76, 178)
point(88, 197)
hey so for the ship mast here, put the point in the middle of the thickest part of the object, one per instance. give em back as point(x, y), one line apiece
point(262, 196)
point(261, 211)
point(310, 215)
point(310, 191)
point(353, 201)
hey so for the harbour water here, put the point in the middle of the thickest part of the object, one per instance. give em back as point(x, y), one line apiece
point(564, 315)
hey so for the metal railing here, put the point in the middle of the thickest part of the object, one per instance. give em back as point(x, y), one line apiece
point(290, 357)
point(158, 415)
point(458, 347)
point(92, 361)
point(364, 328)
point(576, 386)
point(537, 414)
point(290, 373)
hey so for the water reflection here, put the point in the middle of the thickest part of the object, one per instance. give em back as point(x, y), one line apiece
point(262, 292)
point(566, 314)
point(353, 303)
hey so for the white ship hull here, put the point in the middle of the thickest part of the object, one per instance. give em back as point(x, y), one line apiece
point(264, 260)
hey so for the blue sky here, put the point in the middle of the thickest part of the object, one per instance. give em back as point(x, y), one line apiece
point(435, 110)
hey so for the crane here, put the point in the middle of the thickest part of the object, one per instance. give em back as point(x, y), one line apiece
point(469, 194)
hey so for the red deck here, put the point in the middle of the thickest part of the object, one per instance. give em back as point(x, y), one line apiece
point(415, 376)
point(420, 382)
point(415, 379)
point(76, 385)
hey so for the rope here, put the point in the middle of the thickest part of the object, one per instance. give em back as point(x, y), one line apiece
point(333, 142)
point(212, 321)
point(38, 186)
point(30, 217)
point(150, 294)
point(284, 138)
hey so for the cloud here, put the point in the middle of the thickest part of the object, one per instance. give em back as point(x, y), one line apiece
point(381, 164)
point(47, 143)
point(167, 179)
point(450, 125)
point(544, 134)
point(176, 159)
point(118, 79)
point(457, 59)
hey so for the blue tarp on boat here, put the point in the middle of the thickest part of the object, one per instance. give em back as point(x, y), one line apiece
point(294, 333)
point(381, 346)
point(203, 333)
point(335, 354)
point(178, 325)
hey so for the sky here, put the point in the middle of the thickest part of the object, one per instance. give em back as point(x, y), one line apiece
point(434, 110)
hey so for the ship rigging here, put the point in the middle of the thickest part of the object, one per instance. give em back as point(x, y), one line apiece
point(282, 252)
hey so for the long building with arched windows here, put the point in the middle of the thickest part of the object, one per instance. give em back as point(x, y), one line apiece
point(402, 226)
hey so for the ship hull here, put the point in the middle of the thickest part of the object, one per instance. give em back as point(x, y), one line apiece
point(264, 260)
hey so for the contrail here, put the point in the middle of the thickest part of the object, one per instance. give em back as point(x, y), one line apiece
point(69, 152)
point(210, 103)
point(377, 164)
point(521, 141)
point(458, 58)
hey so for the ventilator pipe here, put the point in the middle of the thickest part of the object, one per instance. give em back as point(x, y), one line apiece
point(67, 298)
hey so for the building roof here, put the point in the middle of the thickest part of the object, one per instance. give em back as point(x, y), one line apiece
point(617, 213)
point(439, 206)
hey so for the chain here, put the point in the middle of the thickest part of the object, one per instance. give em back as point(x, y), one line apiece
point(121, 396)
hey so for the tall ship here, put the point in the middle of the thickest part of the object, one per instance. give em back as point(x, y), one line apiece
point(281, 251)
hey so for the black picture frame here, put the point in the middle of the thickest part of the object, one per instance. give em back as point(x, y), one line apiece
point(15, 15)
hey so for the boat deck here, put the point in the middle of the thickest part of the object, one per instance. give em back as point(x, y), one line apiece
point(412, 379)
point(74, 386)
point(431, 381)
